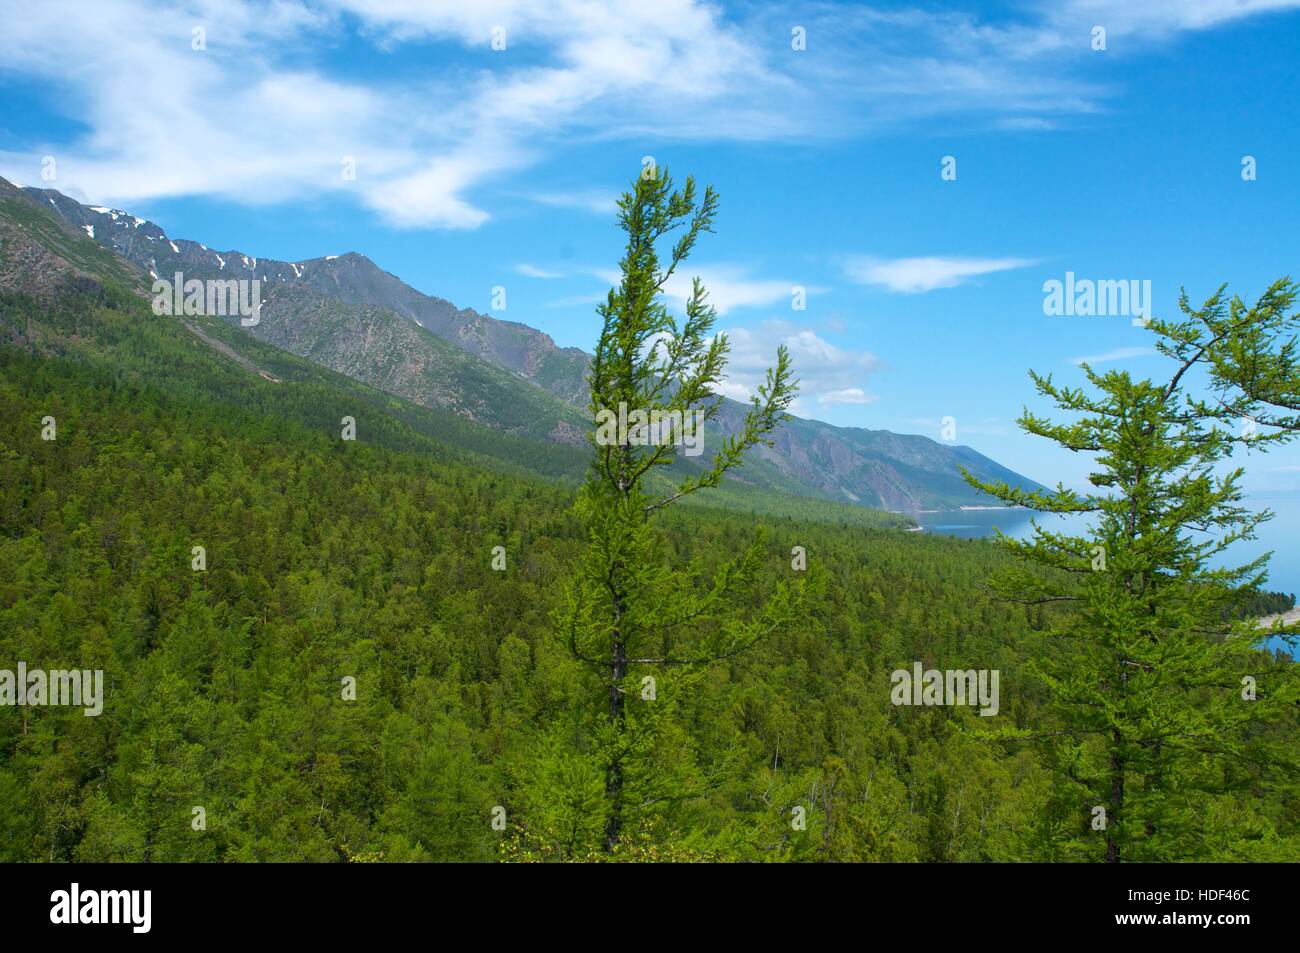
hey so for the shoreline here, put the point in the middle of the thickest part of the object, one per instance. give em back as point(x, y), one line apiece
point(1286, 618)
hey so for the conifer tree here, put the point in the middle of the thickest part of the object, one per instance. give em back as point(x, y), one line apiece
point(626, 612)
point(1158, 698)
point(1253, 357)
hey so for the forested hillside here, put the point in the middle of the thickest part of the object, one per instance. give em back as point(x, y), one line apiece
point(470, 733)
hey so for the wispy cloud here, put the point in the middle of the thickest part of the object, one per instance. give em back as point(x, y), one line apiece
point(575, 301)
point(599, 203)
point(270, 110)
point(848, 395)
point(730, 286)
point(827, 374)
point(1118, 354)
point(917, 275)
point(607, 276)
point(1162, 18)
point(422, 145)
point(1026, 123)
point(532, 271)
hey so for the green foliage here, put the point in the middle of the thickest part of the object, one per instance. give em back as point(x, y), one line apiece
point(372, 559)
point(1265, 603)
point(626, 610)
point(1158, 702)
point(1252, 353)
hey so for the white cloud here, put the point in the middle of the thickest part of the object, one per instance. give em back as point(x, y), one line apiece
point(848, 395)
point(1026, 124)
point(268, 111)
point(730, 287)
point(1118, 354)
point(1161, 18)
point(245, 119)
point(532, 271)
point(599, 203)
point(826, 372)
point(432, 195)
point(576, 301)
point(916, 275)
point(607, 276)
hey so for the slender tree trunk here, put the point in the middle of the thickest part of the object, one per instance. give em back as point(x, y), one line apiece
point(1115, 802)
point(614, 771)
point(617, 669)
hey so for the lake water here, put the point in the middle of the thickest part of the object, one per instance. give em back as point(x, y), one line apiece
point(1281, 534)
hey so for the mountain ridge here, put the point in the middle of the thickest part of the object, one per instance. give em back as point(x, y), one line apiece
point(335, 310)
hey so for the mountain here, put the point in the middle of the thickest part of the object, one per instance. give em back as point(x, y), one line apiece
point(350, 279)
point(38, 254)
point(304, 313)
point(82, 311)
point(346, 313)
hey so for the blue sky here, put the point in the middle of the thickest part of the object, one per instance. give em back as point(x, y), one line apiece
point(478, 168)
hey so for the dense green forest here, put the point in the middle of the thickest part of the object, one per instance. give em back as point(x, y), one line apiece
point(470, 735)
point(1265, 604)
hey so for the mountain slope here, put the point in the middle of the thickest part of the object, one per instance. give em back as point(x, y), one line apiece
point(305, 313)
point(348, 314)
point(96, 320)
point(351, 279)
point(39, 251)
point(373, 345)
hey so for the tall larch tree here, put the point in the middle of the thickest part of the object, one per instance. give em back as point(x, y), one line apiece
point(627, 612)
point(1159, 698)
